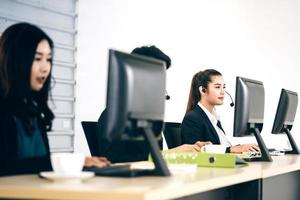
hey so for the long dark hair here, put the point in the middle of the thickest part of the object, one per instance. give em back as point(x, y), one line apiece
point(201, 78)
point(18, 45)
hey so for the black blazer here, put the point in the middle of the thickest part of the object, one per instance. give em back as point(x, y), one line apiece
point(196, 126)
point(10, 163)
point(123, 151)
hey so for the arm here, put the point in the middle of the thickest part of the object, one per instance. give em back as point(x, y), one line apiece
point(190, 147)
point(244, 148)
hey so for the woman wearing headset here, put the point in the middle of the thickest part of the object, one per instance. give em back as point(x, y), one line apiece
point(201, 122)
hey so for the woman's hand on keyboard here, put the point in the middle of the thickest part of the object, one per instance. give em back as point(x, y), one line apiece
point(191, 147)
point(96, 161)
point(244, 148)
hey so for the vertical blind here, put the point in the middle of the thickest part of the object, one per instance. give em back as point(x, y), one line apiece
point(58, 19)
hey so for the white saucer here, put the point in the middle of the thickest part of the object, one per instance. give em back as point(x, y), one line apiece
point(67, 177)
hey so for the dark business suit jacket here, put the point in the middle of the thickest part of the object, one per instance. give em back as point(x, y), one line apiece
point(11, 164)
point(124, 151)
point(196, 126)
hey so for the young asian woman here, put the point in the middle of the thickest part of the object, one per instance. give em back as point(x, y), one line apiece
point(201, 122)
point(26, 54)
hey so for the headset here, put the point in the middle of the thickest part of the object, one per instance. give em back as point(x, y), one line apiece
point(167, 96)
point(231, 104)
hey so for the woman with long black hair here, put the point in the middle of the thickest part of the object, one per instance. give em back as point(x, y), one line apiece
point(26, 54)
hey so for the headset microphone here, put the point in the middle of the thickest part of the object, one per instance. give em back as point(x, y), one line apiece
point(167, 96)
point(232, 103)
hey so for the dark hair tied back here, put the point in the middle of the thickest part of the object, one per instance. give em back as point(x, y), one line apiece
point(202, 79)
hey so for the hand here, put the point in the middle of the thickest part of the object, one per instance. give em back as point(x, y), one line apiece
point(201, 144)
point(244, 148)
point(96, 161)
point(191, 147)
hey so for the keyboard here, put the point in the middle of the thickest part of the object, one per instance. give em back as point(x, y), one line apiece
point(254, 156)
point(251, 156)
point(274, 152)
point(252, 159)
point(118, 171)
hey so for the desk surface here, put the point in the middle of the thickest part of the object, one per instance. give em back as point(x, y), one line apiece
point(178, 185)
point(280, 165)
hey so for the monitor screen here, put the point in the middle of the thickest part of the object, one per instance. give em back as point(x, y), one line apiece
point(286, 111)
point(249, 106)
point(135, 94)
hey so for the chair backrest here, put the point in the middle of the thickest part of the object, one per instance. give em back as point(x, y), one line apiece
point(172, 133)
point(90, 131)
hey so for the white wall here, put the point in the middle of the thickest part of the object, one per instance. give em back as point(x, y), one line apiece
point(255, 39)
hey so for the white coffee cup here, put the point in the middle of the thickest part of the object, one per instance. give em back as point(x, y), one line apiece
point(214, 148)
point(67, 163)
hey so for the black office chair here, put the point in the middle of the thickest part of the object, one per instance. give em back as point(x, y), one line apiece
point(90, 131)
point(172, 134)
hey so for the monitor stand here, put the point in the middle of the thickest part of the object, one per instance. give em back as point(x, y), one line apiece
point(265, 156)
point(295, 149)
point(161, 168)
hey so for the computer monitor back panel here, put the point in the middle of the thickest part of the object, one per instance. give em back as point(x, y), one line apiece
point(145, 90)
point(136, 90)
point(249, 106)
point(256, 102)
point(292, 108)
point(136, 103)
point(249, 112)
point(286, 111)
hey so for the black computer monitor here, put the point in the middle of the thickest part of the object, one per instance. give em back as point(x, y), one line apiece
point(285, 115)
point(136, 102)
point(249, 112)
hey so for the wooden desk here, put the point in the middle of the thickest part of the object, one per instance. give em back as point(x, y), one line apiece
point(279, 179)
point(176, 186)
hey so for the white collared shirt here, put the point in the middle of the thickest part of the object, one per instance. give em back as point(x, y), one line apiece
point(213, 117)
